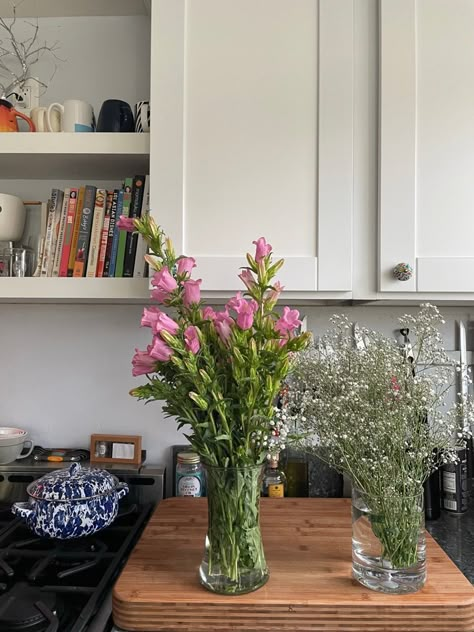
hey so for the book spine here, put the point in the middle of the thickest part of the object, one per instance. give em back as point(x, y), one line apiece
point(132, 238)
point(75, 231)
point(96, 232)
point(49, 232)
point(105, 235)
point(43, 228)
point(127, 198)
point(57, 224)
point(110, 236)
point(117, 231)
point(140, 267)
point(69, 228)
point(62, 230)
point(82, 250)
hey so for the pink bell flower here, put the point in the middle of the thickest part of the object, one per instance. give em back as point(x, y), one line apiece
point(164, 323)
point(185, 265)
point(208, 313)
point(191, 339)
point(150, 315)
point(262, 249)
point(142, 362)
point(247, 277)
point(245, 313)
point(274, 294)
point(223, 323)
point(288, 321)
point(164, 280)
point(235, 302)
point(192, 292)
point(160, 350)
point(126, 223)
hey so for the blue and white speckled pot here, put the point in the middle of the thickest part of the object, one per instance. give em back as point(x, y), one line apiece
point(71, 503)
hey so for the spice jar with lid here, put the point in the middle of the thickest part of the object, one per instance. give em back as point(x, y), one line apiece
point(189, 475)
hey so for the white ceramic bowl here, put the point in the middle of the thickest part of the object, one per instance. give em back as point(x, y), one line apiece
point(12, 445)
point(10, 433)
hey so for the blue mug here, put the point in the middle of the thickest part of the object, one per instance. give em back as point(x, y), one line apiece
point(115, 116)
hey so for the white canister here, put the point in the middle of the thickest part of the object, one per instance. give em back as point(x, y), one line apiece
point(12, 217)
point(75, 116)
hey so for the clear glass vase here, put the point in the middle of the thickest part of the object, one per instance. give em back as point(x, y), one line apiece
point(234, 560)
point(388, 542)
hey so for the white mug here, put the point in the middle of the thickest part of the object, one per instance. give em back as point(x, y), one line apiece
point(75, 116)
point(39, 117)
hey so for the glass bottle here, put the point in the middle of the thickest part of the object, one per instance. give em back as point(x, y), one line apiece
point(274, 480)
point(295, 466)
point(189, 475)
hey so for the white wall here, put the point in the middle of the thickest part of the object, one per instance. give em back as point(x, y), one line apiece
point(87, 46)
point(65, 370)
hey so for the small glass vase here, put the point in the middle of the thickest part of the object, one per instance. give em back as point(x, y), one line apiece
point(388, 542)
point(234, 560)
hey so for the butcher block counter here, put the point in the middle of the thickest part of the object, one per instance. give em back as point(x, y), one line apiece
point(308, 551)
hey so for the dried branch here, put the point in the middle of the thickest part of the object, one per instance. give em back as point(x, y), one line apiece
point(17, 57)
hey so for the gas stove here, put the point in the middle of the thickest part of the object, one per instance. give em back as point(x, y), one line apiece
point(65, 586)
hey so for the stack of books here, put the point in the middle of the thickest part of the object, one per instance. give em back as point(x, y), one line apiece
point(80, 237)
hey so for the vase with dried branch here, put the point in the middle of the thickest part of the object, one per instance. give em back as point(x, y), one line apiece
point(19, 55)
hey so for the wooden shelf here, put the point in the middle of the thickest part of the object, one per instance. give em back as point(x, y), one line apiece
point(74, 8)
point(68, 290)
point(63, 155)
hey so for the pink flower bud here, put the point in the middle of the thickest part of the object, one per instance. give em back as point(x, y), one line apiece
point(185, 265)
point(262, 249)
point(192, 292)
point(142, 362)
point(126, 223)
point(191, 339)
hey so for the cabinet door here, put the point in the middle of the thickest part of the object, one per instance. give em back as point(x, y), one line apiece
point(427, 144)
point(252, 135)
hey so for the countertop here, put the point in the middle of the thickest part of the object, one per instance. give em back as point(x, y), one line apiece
point(455, 534)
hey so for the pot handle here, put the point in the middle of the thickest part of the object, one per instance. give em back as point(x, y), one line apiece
point(122, 490)
point(22, 509)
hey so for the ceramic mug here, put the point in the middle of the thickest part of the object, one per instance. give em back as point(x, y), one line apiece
point(75, 116)
point(142, 116)
point(39, 117)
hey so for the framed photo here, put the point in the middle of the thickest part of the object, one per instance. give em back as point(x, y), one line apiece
point(107, 448)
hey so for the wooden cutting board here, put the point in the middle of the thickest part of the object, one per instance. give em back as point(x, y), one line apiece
point(308, 551)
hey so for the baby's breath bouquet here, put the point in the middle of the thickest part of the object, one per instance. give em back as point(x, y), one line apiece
point(379, 415)
point(219, 373)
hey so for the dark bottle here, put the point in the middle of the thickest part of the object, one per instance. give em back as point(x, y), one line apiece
point(454, 484)
point(432, 496)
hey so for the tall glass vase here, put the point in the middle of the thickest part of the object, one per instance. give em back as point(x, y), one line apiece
point(234, 560)
point(388, 541)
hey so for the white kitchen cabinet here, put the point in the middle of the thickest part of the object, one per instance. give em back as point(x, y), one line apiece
point(426, 212)
point(252, 134)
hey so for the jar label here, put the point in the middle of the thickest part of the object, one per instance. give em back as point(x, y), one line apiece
point(189, 486)
point(276, 491)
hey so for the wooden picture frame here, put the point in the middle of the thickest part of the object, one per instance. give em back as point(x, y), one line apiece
point(111, 443)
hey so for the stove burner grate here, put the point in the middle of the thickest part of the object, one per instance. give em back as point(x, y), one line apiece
point(28, 608)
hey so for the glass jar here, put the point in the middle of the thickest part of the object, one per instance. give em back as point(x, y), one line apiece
point(388, 541)
point(189, 475)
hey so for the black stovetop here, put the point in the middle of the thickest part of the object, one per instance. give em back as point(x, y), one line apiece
point(58, 586)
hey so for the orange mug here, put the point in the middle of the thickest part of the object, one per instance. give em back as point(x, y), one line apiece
point(8, 116)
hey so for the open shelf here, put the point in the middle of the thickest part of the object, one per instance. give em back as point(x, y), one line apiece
point(74, 8)
point(70, 290)
point(62, 155)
